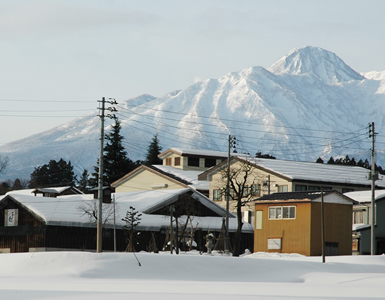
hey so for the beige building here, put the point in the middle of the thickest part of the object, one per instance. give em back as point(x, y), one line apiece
point(180, 169)
point(267, 176)
point(191, 159)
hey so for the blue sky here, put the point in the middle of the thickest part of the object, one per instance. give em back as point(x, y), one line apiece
point(59, 57)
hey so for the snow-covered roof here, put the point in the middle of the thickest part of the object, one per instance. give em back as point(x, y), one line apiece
point(366, 196)
point(64, 210)
point(56, 190)
point(188, 175)
point(313, 196)
point(310, 171)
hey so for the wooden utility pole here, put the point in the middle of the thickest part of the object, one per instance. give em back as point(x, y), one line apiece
point(227, 237)
point(172, 209)
point(227, 199)
point(99, 227)
point(373, 178)
point(99, 224)
point(322, 226)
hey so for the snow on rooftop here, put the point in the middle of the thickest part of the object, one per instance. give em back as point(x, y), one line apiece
point(188, 175)
point(64, 210)
point(365, 196)
point(312, 171)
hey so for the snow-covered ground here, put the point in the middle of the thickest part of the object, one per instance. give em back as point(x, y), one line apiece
point(84, 275)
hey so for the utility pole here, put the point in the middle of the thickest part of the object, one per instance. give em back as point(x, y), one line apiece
point(227, 238)
point(99, 228)
point(172, 209)
point(373, 177)
point(114, 222)
point(322, 226)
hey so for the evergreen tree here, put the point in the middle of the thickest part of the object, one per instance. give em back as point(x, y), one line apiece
point(132, 220)
point(116, 164)
point(331, 160)
point(4, 188)
point(18, 185)
point(83, 182)
point(55, 173)
point(320, 160)
point(260, 155)
point(152, 153)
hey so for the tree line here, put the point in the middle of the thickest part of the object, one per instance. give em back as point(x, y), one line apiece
point(352, 162)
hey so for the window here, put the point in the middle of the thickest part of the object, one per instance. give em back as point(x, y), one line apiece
point(358, 217)
point(177, 161)
point(274, 244)
point(258, 220)
point(245, 191)
point(314, 188)
point(232, 193)
point(275, 212)
point(288, 212)
point(210, 162)
point(193, 161)
point(217, 195)
point(255, 190)
point(168, 161)
point(299, 188)
point(282, 188)
point(281, 212)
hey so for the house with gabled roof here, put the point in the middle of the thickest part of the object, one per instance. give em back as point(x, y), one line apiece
point(362, 220)
point(288, 176)
point(292, 223)
point(160, 177)
point(29, 223)
point(180, 169)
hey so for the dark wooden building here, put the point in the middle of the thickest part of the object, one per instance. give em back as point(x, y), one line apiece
point(29, 223)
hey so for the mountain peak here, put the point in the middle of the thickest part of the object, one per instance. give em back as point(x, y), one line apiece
point(323, 64)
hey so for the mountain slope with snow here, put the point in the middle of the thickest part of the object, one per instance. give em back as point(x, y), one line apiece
point(307, 104)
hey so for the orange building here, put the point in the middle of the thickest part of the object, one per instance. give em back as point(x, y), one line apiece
point(292, 223)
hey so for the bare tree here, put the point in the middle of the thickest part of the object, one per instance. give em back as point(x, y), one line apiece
point(244, 185)
point(90, 209)
point(4, 161)
point(186, 206)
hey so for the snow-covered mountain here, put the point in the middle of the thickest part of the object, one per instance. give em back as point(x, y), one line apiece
point(307, 104)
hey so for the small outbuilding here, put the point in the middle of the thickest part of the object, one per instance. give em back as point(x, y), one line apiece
point(291, 223)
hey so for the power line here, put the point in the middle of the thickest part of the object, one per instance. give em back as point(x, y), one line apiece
point(231, 120)
point(47, 101)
